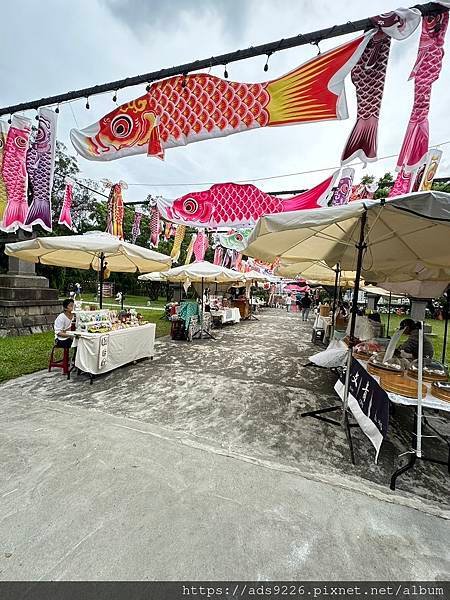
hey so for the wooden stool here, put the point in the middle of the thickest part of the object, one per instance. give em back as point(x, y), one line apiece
point(60, 364)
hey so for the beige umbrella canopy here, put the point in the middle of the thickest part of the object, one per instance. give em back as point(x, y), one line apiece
point(202, 271)
point(88, 251)
point(315, 272)
point(406, 238)
point(156, 276)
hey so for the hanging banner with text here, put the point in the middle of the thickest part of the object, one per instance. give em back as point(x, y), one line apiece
point(368, 402)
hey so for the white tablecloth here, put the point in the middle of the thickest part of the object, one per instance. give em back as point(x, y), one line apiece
point(227, 315)
point(119, 347)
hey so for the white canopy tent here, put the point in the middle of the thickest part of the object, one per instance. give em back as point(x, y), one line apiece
point(405, 238)
point(95, 250)
point(202, 271)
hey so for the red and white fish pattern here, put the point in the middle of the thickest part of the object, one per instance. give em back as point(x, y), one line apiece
point(232, 205)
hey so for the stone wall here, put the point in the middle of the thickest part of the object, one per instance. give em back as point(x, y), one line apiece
point(27, 305)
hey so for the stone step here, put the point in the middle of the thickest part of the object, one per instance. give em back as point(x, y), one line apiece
point(19, 293)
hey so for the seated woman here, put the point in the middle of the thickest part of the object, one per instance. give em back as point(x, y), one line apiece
point(63, 323)
point(411, 347)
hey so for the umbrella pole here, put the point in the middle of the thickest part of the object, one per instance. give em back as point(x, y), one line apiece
point(389, 314)
point(447, 310)
point(101, 277)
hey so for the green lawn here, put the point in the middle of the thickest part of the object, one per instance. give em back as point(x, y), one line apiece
point(141, 301)
point(437, 329)
point(29, 353)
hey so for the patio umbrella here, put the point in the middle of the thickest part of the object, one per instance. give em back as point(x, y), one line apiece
point(95, 250)
point(400, 239)
point(156, 276)
point(201, 272)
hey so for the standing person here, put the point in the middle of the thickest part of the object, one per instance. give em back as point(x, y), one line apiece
point(306, 306)
point(298, 301)
point(288, 302)
point(63, 323)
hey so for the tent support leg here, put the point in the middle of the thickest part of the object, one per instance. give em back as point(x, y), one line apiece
point(414, 458)
point(317, 414)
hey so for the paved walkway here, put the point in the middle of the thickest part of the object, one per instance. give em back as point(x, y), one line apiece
point(196, 465)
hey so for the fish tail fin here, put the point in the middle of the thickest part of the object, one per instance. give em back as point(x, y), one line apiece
point(315, 91)
point(362, 141)
point(313, 198)
point(65, 218)
point(415, 145)
point(15, 216)
point(39, 213)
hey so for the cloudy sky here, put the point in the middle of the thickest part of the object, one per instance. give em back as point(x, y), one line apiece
point(54, 46)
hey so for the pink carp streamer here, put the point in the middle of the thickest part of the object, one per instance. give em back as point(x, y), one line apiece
point(233, 205)
point(425, 72)
point(154, 227)
point(3, 193)
point(14, 174)
point(136, 229)
point(40, 163)
point(368, 77)
point(200, 246)
point(218, 255)
point(402, 184)
point(65, 217)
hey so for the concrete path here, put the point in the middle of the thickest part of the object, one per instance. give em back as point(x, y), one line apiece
point(86, 495)
point(197, 466)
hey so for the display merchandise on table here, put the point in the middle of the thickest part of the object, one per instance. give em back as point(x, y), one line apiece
point(105, 340)
point(222, 311)
point(104, 321)
point(406, 387)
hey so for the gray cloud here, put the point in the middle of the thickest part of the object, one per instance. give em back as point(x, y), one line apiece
point(143, 15)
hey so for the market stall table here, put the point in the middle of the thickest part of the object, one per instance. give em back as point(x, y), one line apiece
point(226, 315)
point(428, 402)
point(98, 353)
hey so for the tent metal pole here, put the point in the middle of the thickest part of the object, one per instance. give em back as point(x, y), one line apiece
point(361, 246)
point(101, 277)
point(447, 310)
point(389, 314)
point(336, 281)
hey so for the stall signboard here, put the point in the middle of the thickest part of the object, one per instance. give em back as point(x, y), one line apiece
point(368, 402)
